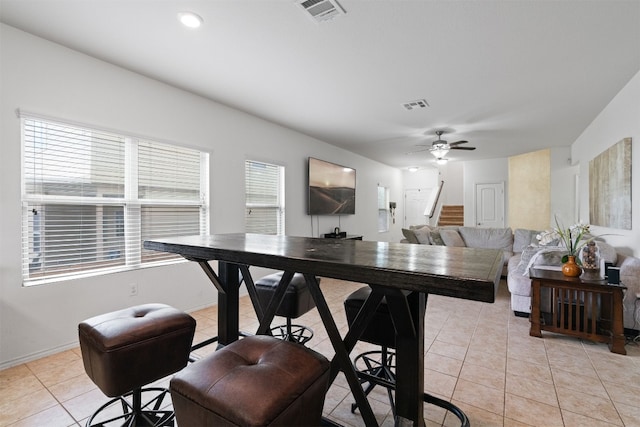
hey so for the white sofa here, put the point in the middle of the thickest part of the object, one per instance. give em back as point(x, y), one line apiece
point(521, 251)
point(471, 237)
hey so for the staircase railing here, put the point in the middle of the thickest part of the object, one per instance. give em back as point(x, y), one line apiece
point(435, 201)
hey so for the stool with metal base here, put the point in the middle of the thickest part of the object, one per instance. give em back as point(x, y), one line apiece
point(124, 350)
point(378, 367)
point(296, 302)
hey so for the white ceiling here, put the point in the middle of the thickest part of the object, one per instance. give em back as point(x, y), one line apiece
point(509, 76)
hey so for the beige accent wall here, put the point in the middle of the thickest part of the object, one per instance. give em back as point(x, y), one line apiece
point(530, 190)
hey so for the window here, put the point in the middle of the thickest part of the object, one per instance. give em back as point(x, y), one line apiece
point(383, 209)
point(264, 198)
point(90, 198)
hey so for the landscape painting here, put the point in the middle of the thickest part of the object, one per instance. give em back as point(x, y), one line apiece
point(332, 188)
point(610, 187)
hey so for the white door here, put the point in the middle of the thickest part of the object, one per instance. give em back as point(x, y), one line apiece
point(415, 202)
point(490, 205)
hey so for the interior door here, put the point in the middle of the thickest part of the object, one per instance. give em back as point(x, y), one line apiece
point(490, 205)
point(415, 202)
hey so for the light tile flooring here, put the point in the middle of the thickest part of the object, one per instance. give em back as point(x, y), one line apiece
point(477, 355)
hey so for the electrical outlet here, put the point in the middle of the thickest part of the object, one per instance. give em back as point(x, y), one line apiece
point(133, 289)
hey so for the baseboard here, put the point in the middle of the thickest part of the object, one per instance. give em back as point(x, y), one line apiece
point(37, 355)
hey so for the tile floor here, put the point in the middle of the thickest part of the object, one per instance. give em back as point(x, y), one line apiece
point(477, 355)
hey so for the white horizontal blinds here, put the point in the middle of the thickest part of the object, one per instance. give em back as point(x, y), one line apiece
point(167, 172)
point(73, 191)
point(165, 221)
point(70, 238)
point(90, 198)
point(169, 189)
point(264, 211)
point(62, 160)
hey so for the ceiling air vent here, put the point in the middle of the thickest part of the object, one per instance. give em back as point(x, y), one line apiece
point(417, 104)
point(322, 10)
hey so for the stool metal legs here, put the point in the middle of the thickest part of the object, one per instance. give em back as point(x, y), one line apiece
point(140, 408)
point(294, 333)
point(378, 370)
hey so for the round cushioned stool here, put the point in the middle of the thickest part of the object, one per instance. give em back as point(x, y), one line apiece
point(256, 381)
point(378, 367)
point(126, 349)
point(297, 301)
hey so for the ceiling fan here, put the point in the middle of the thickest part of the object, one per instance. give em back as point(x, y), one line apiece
point(439, 148)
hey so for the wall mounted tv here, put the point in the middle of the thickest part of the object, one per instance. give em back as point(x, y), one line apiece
point(332, 188)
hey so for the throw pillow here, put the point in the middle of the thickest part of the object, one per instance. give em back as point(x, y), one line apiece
point(422, 234)
point(523, 238)
point(550, 257)
point(525, 258)
point(540, 255)
point(414, 227)
point(452, 238)
point(435, 238)
point(409, 235)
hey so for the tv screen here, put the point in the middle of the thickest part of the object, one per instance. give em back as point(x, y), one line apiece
point(332, 188)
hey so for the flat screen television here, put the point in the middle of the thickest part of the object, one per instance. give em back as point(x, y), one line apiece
point(332, 188)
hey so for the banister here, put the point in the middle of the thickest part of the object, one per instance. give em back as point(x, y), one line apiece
point(435, 202)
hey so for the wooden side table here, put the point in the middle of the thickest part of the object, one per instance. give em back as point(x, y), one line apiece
point(590, 309)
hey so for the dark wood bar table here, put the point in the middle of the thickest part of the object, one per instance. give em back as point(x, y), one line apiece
point(388, 268)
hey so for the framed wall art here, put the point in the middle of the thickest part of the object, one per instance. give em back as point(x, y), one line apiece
point(610, 187)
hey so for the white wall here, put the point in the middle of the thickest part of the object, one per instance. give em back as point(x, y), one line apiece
point(45, 78)
point(453, 176)
point(620, 119)
point(564, 175)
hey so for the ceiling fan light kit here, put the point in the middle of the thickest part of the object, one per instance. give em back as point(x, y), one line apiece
point(439, 150)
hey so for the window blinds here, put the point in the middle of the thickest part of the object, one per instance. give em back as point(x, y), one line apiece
point(264, 189)
point(90, 198)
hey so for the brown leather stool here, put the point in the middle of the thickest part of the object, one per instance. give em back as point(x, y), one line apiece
point(297, 301)
point(126, 349)
point(256, 381)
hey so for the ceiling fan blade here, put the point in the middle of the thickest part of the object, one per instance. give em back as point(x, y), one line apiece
point(463, 148)
point(458, 142)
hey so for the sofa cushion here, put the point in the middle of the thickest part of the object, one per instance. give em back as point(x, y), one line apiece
point(422, 235)
point(523, 238)
point(451, 238)
point(489, 238)
point(630, 277)
point(410, 235)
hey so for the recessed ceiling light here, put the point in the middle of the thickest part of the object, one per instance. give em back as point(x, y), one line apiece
point(190, 19)
point(413, 169)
